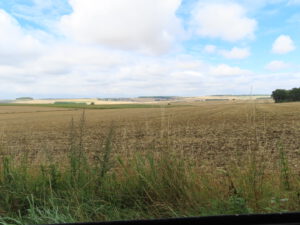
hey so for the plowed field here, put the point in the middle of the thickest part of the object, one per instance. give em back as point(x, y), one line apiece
point(214, 131)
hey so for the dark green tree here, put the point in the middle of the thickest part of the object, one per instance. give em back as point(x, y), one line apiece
point(282, 95)
point(294, 94)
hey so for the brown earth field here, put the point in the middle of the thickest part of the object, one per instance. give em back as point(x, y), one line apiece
point(211, 132)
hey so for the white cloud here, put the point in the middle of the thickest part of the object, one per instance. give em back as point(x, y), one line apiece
point(226, 70)
point(277, 65)
point(149, 26)
point(235, 53)
point(60, 68)
point(70, 70)
point(16, 44)
point(210, 49)
point(227, 21)
point(33, 64)
point(283, 44)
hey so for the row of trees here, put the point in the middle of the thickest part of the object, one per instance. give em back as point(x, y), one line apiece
point(282, 95)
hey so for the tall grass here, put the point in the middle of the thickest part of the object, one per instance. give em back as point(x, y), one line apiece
point(152, 185)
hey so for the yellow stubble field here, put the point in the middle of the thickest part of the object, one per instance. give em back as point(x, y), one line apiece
point(211, 132)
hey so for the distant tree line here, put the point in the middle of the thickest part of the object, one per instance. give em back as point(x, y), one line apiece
point(282, 95)
point(160, 97)
point(24, 98)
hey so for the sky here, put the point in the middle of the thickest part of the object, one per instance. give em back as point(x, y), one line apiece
point(130, 48)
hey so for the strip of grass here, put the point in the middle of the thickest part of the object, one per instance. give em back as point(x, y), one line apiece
point(110, 106)
point(150, 186)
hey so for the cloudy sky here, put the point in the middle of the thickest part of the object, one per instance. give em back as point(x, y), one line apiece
point(127, 48)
